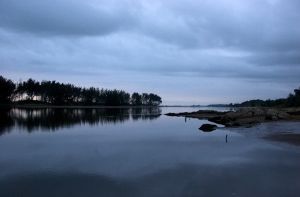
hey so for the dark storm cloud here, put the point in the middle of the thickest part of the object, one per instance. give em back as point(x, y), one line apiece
point(55, 17)
point(159, 44)
point(247, 25)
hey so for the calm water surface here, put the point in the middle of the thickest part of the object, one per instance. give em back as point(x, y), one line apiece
point(138, 152)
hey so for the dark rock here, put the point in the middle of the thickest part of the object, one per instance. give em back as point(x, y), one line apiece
point(171, 114)
point(208, 127)
point(201, 114)
point(249, 117)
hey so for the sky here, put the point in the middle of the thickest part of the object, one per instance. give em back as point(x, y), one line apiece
point(186, 51)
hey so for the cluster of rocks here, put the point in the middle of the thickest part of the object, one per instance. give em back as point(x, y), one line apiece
point(201, 114)
point(249, 116)
point(241, 116)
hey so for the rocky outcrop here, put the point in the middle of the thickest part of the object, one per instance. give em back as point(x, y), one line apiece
point(208, 127)
point(243, 116)
point(249, 116)
point(201, 114)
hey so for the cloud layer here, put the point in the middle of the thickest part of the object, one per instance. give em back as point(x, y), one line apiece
point(187, 51)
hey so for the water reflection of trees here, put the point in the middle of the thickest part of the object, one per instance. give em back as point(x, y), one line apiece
point(145, 113)
point(6, 122)
point(51, 119)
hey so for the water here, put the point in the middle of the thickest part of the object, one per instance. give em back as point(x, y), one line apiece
point(138, 152)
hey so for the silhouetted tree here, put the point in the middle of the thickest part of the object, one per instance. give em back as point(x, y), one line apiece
point(30, 87)
point(136, 99)
point(151, 99)
point(294, 99)
point(154, 99)
point(116, 97)
point(145, 99)
point(7, 88)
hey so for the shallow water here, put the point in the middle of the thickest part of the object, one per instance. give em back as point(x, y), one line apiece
point(138, 152)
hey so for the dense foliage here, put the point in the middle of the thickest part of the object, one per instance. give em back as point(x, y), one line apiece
point(293, 100)
point(52, 92)
point(7, 88)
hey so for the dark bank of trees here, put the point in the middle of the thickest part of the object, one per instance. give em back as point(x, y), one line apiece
point(55, 93)
point(7, 88)
point(293, 100)
point(145, 99)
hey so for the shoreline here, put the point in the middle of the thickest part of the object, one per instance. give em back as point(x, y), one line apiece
point(246, 116)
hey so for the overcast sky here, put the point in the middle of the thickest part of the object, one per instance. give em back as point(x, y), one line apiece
point(189, 51)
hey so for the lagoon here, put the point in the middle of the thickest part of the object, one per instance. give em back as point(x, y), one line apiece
point(140, 152)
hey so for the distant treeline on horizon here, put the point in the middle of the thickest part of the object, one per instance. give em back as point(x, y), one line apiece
point(55, 93)
point(293, 100)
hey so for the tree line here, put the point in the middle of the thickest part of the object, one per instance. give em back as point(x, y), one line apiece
point(293, 100)
point(55, 93)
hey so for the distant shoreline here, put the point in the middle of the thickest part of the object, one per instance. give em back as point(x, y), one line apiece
point(76, 106)
point(97, 106)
